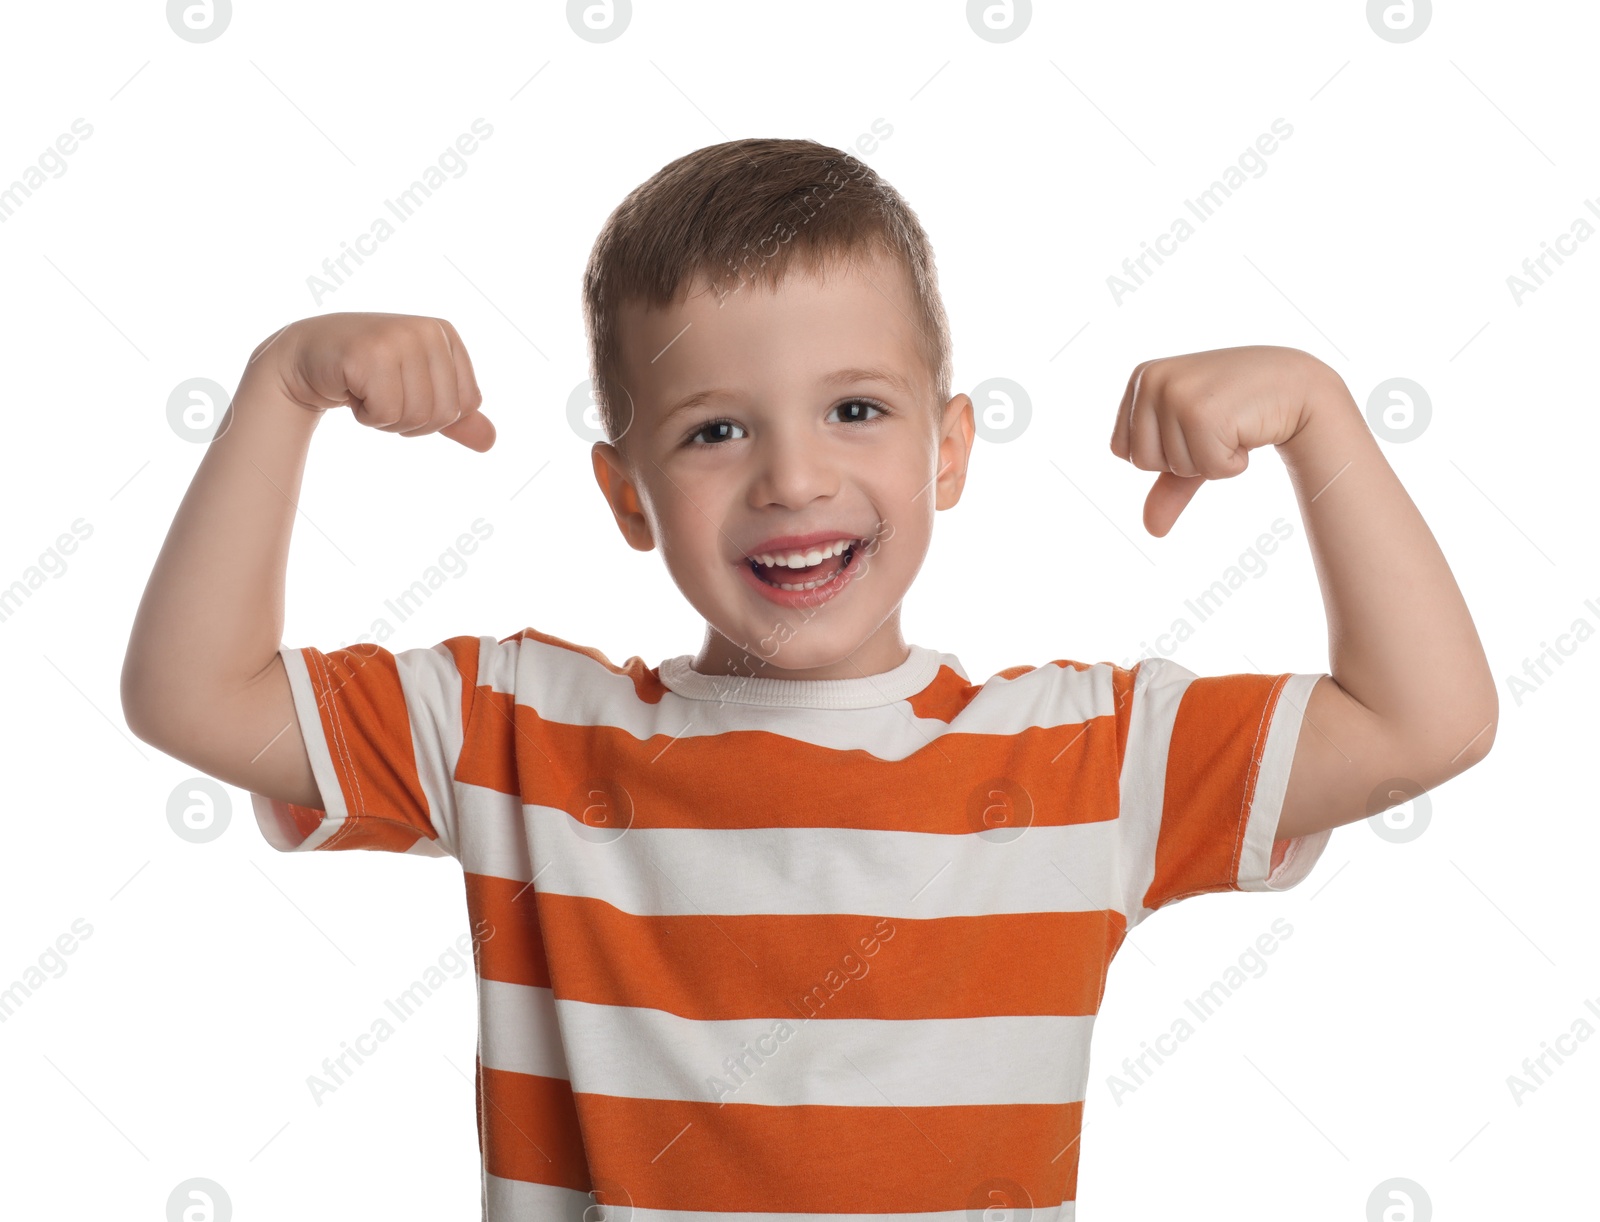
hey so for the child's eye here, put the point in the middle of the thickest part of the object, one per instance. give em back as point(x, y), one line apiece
point(708, 426)
point(719, 427)
point(872, 403)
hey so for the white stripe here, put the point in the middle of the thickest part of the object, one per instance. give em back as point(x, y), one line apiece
point(517, 1030)
point(572, 689)
point(685, 871)
point(431, 685)
point(786, 1061)
point(1272, 783)
point(494, 840)
point(497, 664)
point(513, 1200)
point(1157, 689)
point(272, 816)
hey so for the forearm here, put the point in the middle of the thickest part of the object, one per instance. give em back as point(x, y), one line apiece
point(212, 613)
point(1400, 638)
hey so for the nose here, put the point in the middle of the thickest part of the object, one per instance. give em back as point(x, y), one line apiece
point(794, 466)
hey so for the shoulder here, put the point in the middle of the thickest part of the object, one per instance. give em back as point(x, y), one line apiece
point(531, 661)
point(1059, 691)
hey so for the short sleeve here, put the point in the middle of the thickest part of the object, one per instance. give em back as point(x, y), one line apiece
point(384, 733)
point(1204, 765)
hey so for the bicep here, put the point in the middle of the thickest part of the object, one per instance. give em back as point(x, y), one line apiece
point(1343, 753)
point(249, 737)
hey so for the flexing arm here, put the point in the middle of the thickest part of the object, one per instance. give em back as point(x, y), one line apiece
point(1409, 695)
point(202, 679)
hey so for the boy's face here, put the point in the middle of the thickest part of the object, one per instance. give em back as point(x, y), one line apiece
point(805, 433)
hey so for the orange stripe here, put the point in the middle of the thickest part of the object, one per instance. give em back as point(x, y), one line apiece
point(383, 835)
point(528, 1129)
point(559, 764)
point(1212, 765)
point(464, 651)
point(943, 698)
point(690, 1155)
point(368, 734)
point(756, 779)
point(510, 947)
point(488, 752)
point(306, 819)
point(805, 965)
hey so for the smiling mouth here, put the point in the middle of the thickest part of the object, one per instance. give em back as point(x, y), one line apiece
point(810, 577)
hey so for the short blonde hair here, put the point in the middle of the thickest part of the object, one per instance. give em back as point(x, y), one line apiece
point(743, 212)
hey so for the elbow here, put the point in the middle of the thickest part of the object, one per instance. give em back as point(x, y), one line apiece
point(1432, 754)
point(1483, 738)
point(1469, 739)
point(136, 716)
point(141, 706)
point(1480, 727)
point(133, 708)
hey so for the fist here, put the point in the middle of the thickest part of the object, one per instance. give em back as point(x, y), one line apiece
point(401, 373)
point(1198, 416)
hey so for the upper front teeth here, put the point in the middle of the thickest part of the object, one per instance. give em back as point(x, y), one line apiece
point(804, 560)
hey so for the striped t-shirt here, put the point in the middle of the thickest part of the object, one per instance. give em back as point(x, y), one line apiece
point(768, 948)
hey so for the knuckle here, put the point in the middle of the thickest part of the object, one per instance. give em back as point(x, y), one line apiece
point(384, 348)
point(372, 415)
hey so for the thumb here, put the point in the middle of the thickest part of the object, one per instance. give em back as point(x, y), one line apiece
point(473, 431)
point(1168, 495)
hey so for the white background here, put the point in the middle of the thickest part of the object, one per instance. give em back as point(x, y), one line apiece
point(218, 976)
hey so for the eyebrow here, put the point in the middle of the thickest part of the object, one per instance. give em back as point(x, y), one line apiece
point(839, 377)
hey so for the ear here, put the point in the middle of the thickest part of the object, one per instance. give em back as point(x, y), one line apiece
point(616, 485)
point(955, 448)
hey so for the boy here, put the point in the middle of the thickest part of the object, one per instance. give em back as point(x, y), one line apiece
point(807, 923)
